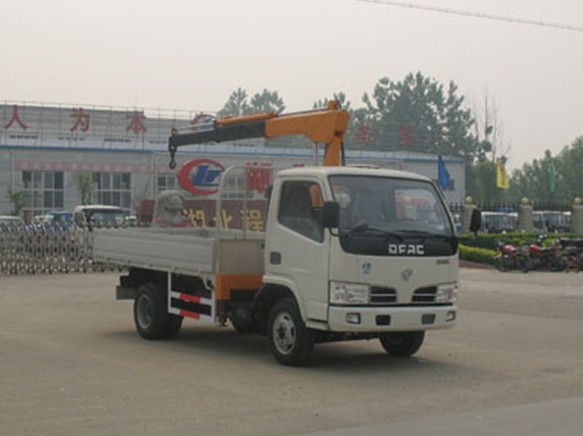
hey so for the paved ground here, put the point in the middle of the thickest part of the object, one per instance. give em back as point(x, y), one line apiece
point(71, 363)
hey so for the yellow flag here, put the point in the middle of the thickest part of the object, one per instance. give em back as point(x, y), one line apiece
point(502, 180)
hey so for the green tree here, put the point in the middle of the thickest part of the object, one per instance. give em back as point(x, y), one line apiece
point(18, 200)
point(569, 172)
point(533, 180)
point(236, 104)
point(486, 191)
point(267, 101)
point(85, 185)
point(239, 104)
point(339, 96)
point(417, 114)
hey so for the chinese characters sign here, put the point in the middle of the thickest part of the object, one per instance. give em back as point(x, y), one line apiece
point(202, 213)
point(24, 124)
point(15, 120)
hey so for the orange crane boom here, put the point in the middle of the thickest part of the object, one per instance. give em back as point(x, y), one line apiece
point(326, 126)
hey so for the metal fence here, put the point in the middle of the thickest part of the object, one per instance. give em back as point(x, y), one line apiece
point(509, 207)
point(503, 217)
point(34, 249)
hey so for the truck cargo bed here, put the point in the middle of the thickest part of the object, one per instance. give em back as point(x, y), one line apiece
point(182, 250)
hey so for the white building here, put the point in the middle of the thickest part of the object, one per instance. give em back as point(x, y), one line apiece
point(43, 147)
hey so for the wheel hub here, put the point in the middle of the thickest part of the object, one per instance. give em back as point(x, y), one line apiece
point(144, 312)
point(284, 333)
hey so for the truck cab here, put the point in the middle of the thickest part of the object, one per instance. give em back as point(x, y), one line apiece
point(395, 245)
point(387, 263)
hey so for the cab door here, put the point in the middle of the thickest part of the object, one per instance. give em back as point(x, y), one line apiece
point(297, 252)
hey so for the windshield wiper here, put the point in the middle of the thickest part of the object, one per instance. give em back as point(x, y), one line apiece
point(364, 227)
point(424, 235)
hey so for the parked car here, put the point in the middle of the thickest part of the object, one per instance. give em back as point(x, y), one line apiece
point(9, 220)
point(552, 221)
point(499, 222)
point(98, 215)
point(131, 220)
point(58, 217)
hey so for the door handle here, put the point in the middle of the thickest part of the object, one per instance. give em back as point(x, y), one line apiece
point(275, 258)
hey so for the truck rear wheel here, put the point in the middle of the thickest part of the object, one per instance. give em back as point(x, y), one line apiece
point(402, 344)
point(290, 341)
point(150, 314)
point(173, 327)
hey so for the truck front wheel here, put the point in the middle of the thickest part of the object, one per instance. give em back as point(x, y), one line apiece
point(402, 344)
point(291, 342)
point(151, 316)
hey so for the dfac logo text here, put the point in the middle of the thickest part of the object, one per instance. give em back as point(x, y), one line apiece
point(201, 176)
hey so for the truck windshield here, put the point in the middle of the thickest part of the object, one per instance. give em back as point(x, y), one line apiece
point(101, 216)
point(392, 206)
point(109, 217)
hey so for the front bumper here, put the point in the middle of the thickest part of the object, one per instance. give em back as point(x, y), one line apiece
point(384, 319)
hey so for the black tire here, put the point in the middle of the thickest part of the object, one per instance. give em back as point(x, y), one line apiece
point(503, 263)
point(150, 314)
point(525, 264)
point(402, 344)
point(556, 264)
point(173, 327)
point(291, 342)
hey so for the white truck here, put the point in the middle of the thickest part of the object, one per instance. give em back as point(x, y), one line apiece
point(347, 253)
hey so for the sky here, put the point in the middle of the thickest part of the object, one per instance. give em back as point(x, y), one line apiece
point(191, 54)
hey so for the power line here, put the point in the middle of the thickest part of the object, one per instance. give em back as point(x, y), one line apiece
point(476, 15)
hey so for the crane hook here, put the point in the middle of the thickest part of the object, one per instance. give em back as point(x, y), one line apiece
point(172, 149)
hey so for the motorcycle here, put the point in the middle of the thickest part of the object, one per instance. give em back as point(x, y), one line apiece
point(572, 249)
point(511, 257)
point(550, 257)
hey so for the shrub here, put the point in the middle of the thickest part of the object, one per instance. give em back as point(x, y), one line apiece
point(474, 254)
point(489, 241)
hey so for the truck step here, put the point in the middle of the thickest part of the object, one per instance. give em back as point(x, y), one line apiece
point(191, 298)
point(190, 306)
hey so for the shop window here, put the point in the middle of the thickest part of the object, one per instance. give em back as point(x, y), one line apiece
point(45, 191)
point(114, 189)
point(165, 182)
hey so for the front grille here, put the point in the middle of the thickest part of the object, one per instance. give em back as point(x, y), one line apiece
point(382, 295)
point(424, 295)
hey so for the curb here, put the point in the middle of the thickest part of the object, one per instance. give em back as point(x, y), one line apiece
point(475, 265)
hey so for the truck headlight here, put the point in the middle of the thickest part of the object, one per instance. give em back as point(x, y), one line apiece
point(446, 293)
point(349, 293)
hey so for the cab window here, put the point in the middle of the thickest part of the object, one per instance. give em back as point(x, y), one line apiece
point(300, 209)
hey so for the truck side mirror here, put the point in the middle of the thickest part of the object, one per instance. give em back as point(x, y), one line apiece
point(331, 214)
point(475, 220)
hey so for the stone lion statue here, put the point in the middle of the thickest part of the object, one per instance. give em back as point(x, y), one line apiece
point(168, 210)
